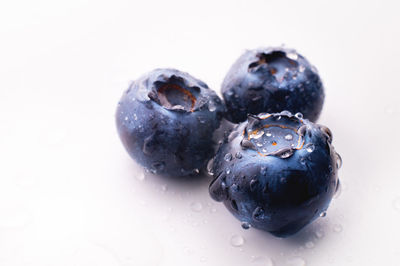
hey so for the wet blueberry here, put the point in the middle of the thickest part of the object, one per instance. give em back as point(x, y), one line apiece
point(285, 176)
point(271, 80)
point(166, 121)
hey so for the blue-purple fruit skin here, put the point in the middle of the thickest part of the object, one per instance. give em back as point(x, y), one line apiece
point(166, 120)
point(282, 188)
point(271, 80)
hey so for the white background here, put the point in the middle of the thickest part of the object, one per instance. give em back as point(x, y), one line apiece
point(69, 193)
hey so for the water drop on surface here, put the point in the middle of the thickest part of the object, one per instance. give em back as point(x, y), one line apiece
point(337, 228)
point(228, 157)
point(211, 106)
point(296, 261)
point(302, 68)
point(289, 137)
point(238, 155)
point(257, 135)
point(261, 261)
point(339, 161)
point(299, 115)
point(268, 134)
point(309, 244)
point(228, 171)
point(319, 234)
point(237, 241)
point(322, 214)
point(310, 147)
point(246, 225)
point(196, 206)
point(292, 55)
point(396, 204)
point(210, 166)
point(141, 176)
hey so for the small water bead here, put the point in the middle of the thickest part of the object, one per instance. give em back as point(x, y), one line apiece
point(268, 134)
point(141, 176)
point(286, 113)
point(339, 161)
point(310, 147)
point(210, 167)
point(310, 244)
point(261, 261)
point(259, 144)
point(246, 225)
point(396, 204)
point(292, 55)
point(228, 171)
point(296, 261)
point(135, 117)
point(126, 118)
point(289, 137)
point(299, 115)
point(238, 155)
point(257, 135)
point(211, 106)
point(319, 234)
point(263, 115)
point(237, 241)
point(322, 214)
point(302, 68)
point(337, 228)
point(196, 206)
point(228, 157)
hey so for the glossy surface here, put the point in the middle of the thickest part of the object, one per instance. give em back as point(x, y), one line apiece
point(285, 176)
point(271, 80)
point(166, 120)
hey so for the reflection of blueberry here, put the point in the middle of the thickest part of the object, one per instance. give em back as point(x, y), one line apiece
point(166, 120)
point(276, 172)
point(271, 80)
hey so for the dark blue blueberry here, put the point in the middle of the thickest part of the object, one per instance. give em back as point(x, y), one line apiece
point(166, 120)
point(276, 172)
point(272, 80)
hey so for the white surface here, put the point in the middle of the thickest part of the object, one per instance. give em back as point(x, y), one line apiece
point(69, 194)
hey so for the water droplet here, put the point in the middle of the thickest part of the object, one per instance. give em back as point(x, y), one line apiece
point(210, 167)
point(322, 214)
point(263, 115)
point(396, 204)
point(211, 106)
point(126, 118)
point(302, 68)
point(289, 137)
point(258, 213)
point(228, 171)
point(338, 191)
point(201, 119)
point(237, 241)
point(309, 244)
point(228, 157)
point(246, 225)
point(135, 117)
point(337, 228)
point(259, 144)
point(253, 184)
point(213, 210)
point(268, 134)
point(257, 135)
point(286, 154)
point(286, 113)
point(292, 55)
point(299, 115)
point(238, 155)
point(339, 161)
point(141, 176)
point(296, 261)
point(261, 261)
point(196, 206)
point(319, 234)
point(310, 147)
point(157, 167)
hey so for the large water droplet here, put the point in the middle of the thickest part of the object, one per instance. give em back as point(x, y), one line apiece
point(268, 134)
point(196, 206)
point(237, 241)
point(246, 225)
point(228, 157)
point(238, 155)
point(310, 147)
point(257, 135)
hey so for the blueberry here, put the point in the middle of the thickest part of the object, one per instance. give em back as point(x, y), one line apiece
point(276, 172)
point(271, 80)
point(166, 120)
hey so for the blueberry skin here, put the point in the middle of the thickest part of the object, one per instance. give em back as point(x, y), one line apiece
point(272, 80)
point(166, 120)
point(274, 182)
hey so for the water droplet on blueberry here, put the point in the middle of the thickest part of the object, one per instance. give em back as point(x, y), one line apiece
point(228, 157)
point(246, 225)
point(310, 147)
